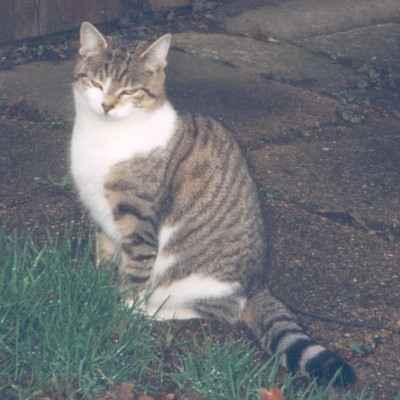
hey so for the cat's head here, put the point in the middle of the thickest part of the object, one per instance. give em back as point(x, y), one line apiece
point(116, 82)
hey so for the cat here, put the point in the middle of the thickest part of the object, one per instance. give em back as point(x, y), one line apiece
point(176, 210)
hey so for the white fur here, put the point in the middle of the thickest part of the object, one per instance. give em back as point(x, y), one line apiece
point(163, 260)
point(94, 97)
point(175, 300)
point(165, 234)
point(287, 341)
point(99, 142)
point(309, 353)
point(162, 263)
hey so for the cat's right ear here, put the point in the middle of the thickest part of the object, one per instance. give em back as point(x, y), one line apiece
point(155, 57)
point(92, 41)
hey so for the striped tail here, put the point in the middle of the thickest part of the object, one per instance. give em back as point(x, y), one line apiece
point(278, 332)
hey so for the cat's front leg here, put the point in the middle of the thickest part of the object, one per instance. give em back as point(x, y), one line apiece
point(107, 255)
point(138, 248)
point(136, 225)
point(106, 250)
point(138, 255)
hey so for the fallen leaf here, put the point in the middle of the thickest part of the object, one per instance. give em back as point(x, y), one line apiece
point(145, 397)
point(273, 394)
point(123, 391)
point(126, 391)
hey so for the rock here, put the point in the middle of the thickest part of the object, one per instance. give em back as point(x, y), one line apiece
point(351, 113)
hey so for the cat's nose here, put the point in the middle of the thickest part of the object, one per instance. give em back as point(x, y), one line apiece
point(107, 107)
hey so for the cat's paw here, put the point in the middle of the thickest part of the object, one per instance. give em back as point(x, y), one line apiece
point(329, 367)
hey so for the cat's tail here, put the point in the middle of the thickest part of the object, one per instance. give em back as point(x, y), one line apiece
point(278, 331)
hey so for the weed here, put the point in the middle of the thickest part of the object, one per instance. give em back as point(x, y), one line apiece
point(361, 349)
point(65, 183)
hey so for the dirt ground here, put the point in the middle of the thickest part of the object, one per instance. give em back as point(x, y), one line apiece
point(329, 191)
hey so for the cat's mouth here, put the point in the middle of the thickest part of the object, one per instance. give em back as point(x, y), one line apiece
point(115, 113)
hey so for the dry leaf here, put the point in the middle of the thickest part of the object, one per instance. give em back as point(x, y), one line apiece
point(126, 391)
point(145, 397)
point(123, 391)
point(273, 394)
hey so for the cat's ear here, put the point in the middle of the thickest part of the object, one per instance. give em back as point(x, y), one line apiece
point(155, 57)
point(92, 41)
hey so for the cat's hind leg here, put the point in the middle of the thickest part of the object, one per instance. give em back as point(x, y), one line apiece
point(194, 296)
point(228, 308)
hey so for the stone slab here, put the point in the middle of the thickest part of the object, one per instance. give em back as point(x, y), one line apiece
point(328, 269)
point(339, 272)
point(350, 176)
point(43, 84)
point(276, 61)
point(293, 19)
point(374, 52)
point(379, 44)
point(257, 110)
point(159, 5)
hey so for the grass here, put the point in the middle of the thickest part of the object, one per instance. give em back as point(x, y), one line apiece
point(231, 372)
point(64, 330)
point(61, 324)
point(226, 371)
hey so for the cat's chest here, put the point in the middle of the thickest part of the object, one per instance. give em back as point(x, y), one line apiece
point(96, 150)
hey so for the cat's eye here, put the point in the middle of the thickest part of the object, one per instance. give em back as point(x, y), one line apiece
point(130, 92)
point(96, 84)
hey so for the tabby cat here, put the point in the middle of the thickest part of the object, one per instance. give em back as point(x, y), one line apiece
point(176, 210)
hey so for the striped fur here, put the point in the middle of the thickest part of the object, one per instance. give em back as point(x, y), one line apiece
point(176, 209)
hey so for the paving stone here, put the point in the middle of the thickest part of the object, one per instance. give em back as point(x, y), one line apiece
point(43, 84)
point(374, 52)
point(353, 178)
point(257, 110)
point(276, 61)
point(295, 19)
point(309, 249)
point(372, 44)
point(158, 5)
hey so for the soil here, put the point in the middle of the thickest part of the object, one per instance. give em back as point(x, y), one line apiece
point(337, 270)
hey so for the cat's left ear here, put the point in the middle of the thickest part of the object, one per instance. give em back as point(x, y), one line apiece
point(92, 41)
point(155, 57)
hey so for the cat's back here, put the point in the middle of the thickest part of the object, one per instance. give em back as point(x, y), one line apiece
point(214, 212)
point(213, 155)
